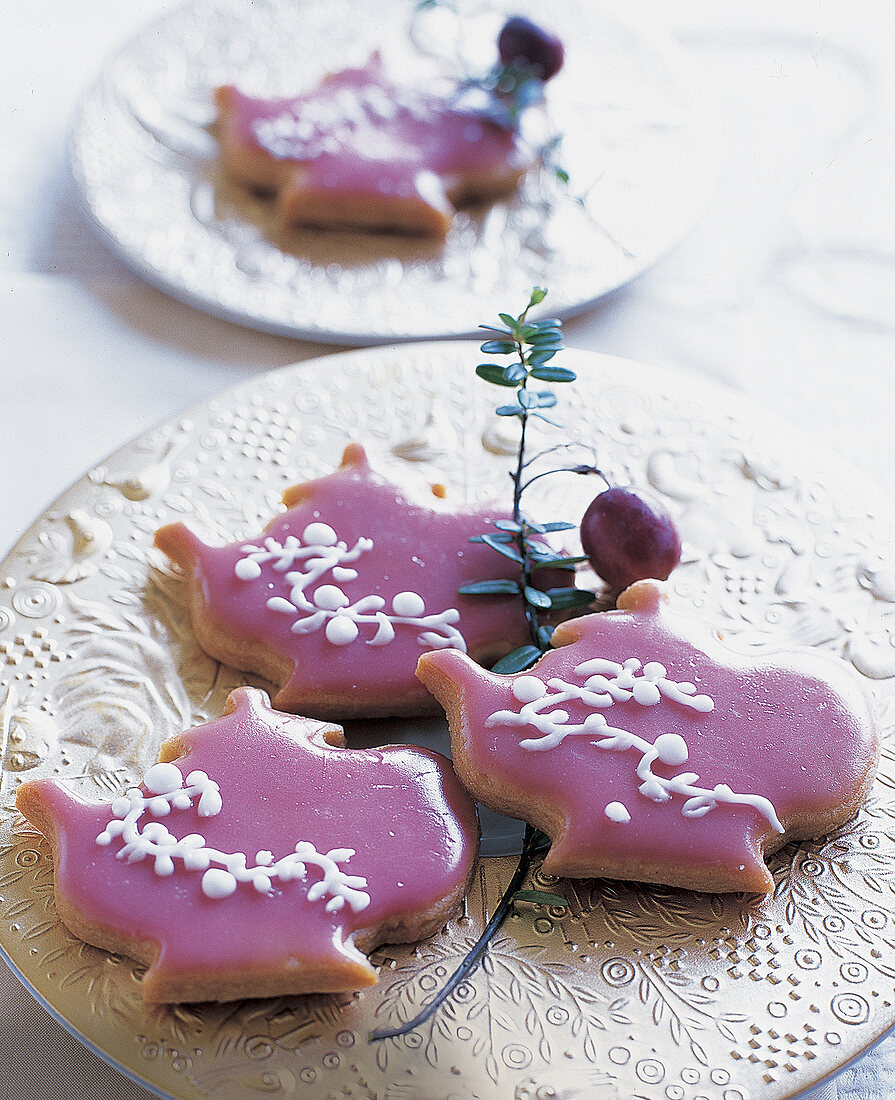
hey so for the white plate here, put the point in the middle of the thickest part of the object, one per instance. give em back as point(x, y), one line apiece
point(633, 990)
point(637, 141)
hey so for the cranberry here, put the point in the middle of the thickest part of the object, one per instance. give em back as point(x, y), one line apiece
point(628, 537)
point(522, 40)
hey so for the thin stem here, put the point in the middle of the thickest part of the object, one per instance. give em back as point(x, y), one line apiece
point(531, 612)
point(564, 447)
point(532, 845)
point(563, 470)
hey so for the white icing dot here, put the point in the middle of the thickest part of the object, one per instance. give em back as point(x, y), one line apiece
point(159, 807)
point(104, 839)
point(181, 801)
point(121, 807)
point(164, 866)
point(618, 812)
point(646, 693)
point(319, 534)
point(341, 630)
point(197, 860)
point(330, 597)
point(278, 603)
point(653, 670)
point(672, 749)
point(409, 604)
point(264, 858)
point(262, 884)
point(247, 570)
point(218, 883)
point(528, 688)
point(163, 779)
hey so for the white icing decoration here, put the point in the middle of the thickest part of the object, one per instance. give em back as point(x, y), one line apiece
point(621, 683)
point(165, 785)
point(617, 812)
point(320, 552)
point(247, 570)
point(606, 684)
point(528, 688)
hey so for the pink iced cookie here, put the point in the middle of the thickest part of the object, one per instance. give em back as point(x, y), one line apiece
point(647, 750)
point(363, 151)
point(260, 857)
point(340, 595)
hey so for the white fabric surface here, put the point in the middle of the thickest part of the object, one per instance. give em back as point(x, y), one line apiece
point(785, 290)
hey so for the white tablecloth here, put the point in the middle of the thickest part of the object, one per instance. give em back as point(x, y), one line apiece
point(785, 290)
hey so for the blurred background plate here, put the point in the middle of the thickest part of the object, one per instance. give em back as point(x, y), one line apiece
point(638, 143)
point(631, 990)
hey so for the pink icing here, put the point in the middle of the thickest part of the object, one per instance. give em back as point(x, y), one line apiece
point(414, 548)
point(402, 810)
point(360, 132)
point(793, 729)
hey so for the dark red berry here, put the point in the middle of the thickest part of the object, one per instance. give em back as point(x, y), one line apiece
point(628, 537)
point(520, 40)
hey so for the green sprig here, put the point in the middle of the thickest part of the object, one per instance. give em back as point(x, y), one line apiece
point(531, 344)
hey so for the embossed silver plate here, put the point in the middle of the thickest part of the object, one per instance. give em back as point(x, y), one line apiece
point(638, 143)
point(631, 991)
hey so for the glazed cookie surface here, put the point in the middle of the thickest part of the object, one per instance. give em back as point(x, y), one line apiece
point(647, 750)
point(261, 857)
point(364, 151)
point(340, 595)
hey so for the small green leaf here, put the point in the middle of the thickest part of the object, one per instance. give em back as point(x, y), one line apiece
point(563, 598)
point(561, 174)
point(498, 347)
point(548, 322)
point(540, 842)
point(558, 525)
point(536, 597)
point(489, 588)
point(541, 356)
point(541, 551)
point(515, 372)
point(545, 633)
point(538, 295)
point(509, 321)
point(545, 399)
point(494, 373)
point(553, 374)
point(546, 419)
point(547, 337)
point(509, 410)
point(558, 563)
point(507, 525)
point(541, 897)
point(528, 400)
point(496, 544)
point(501, 536)
point(521, 658)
